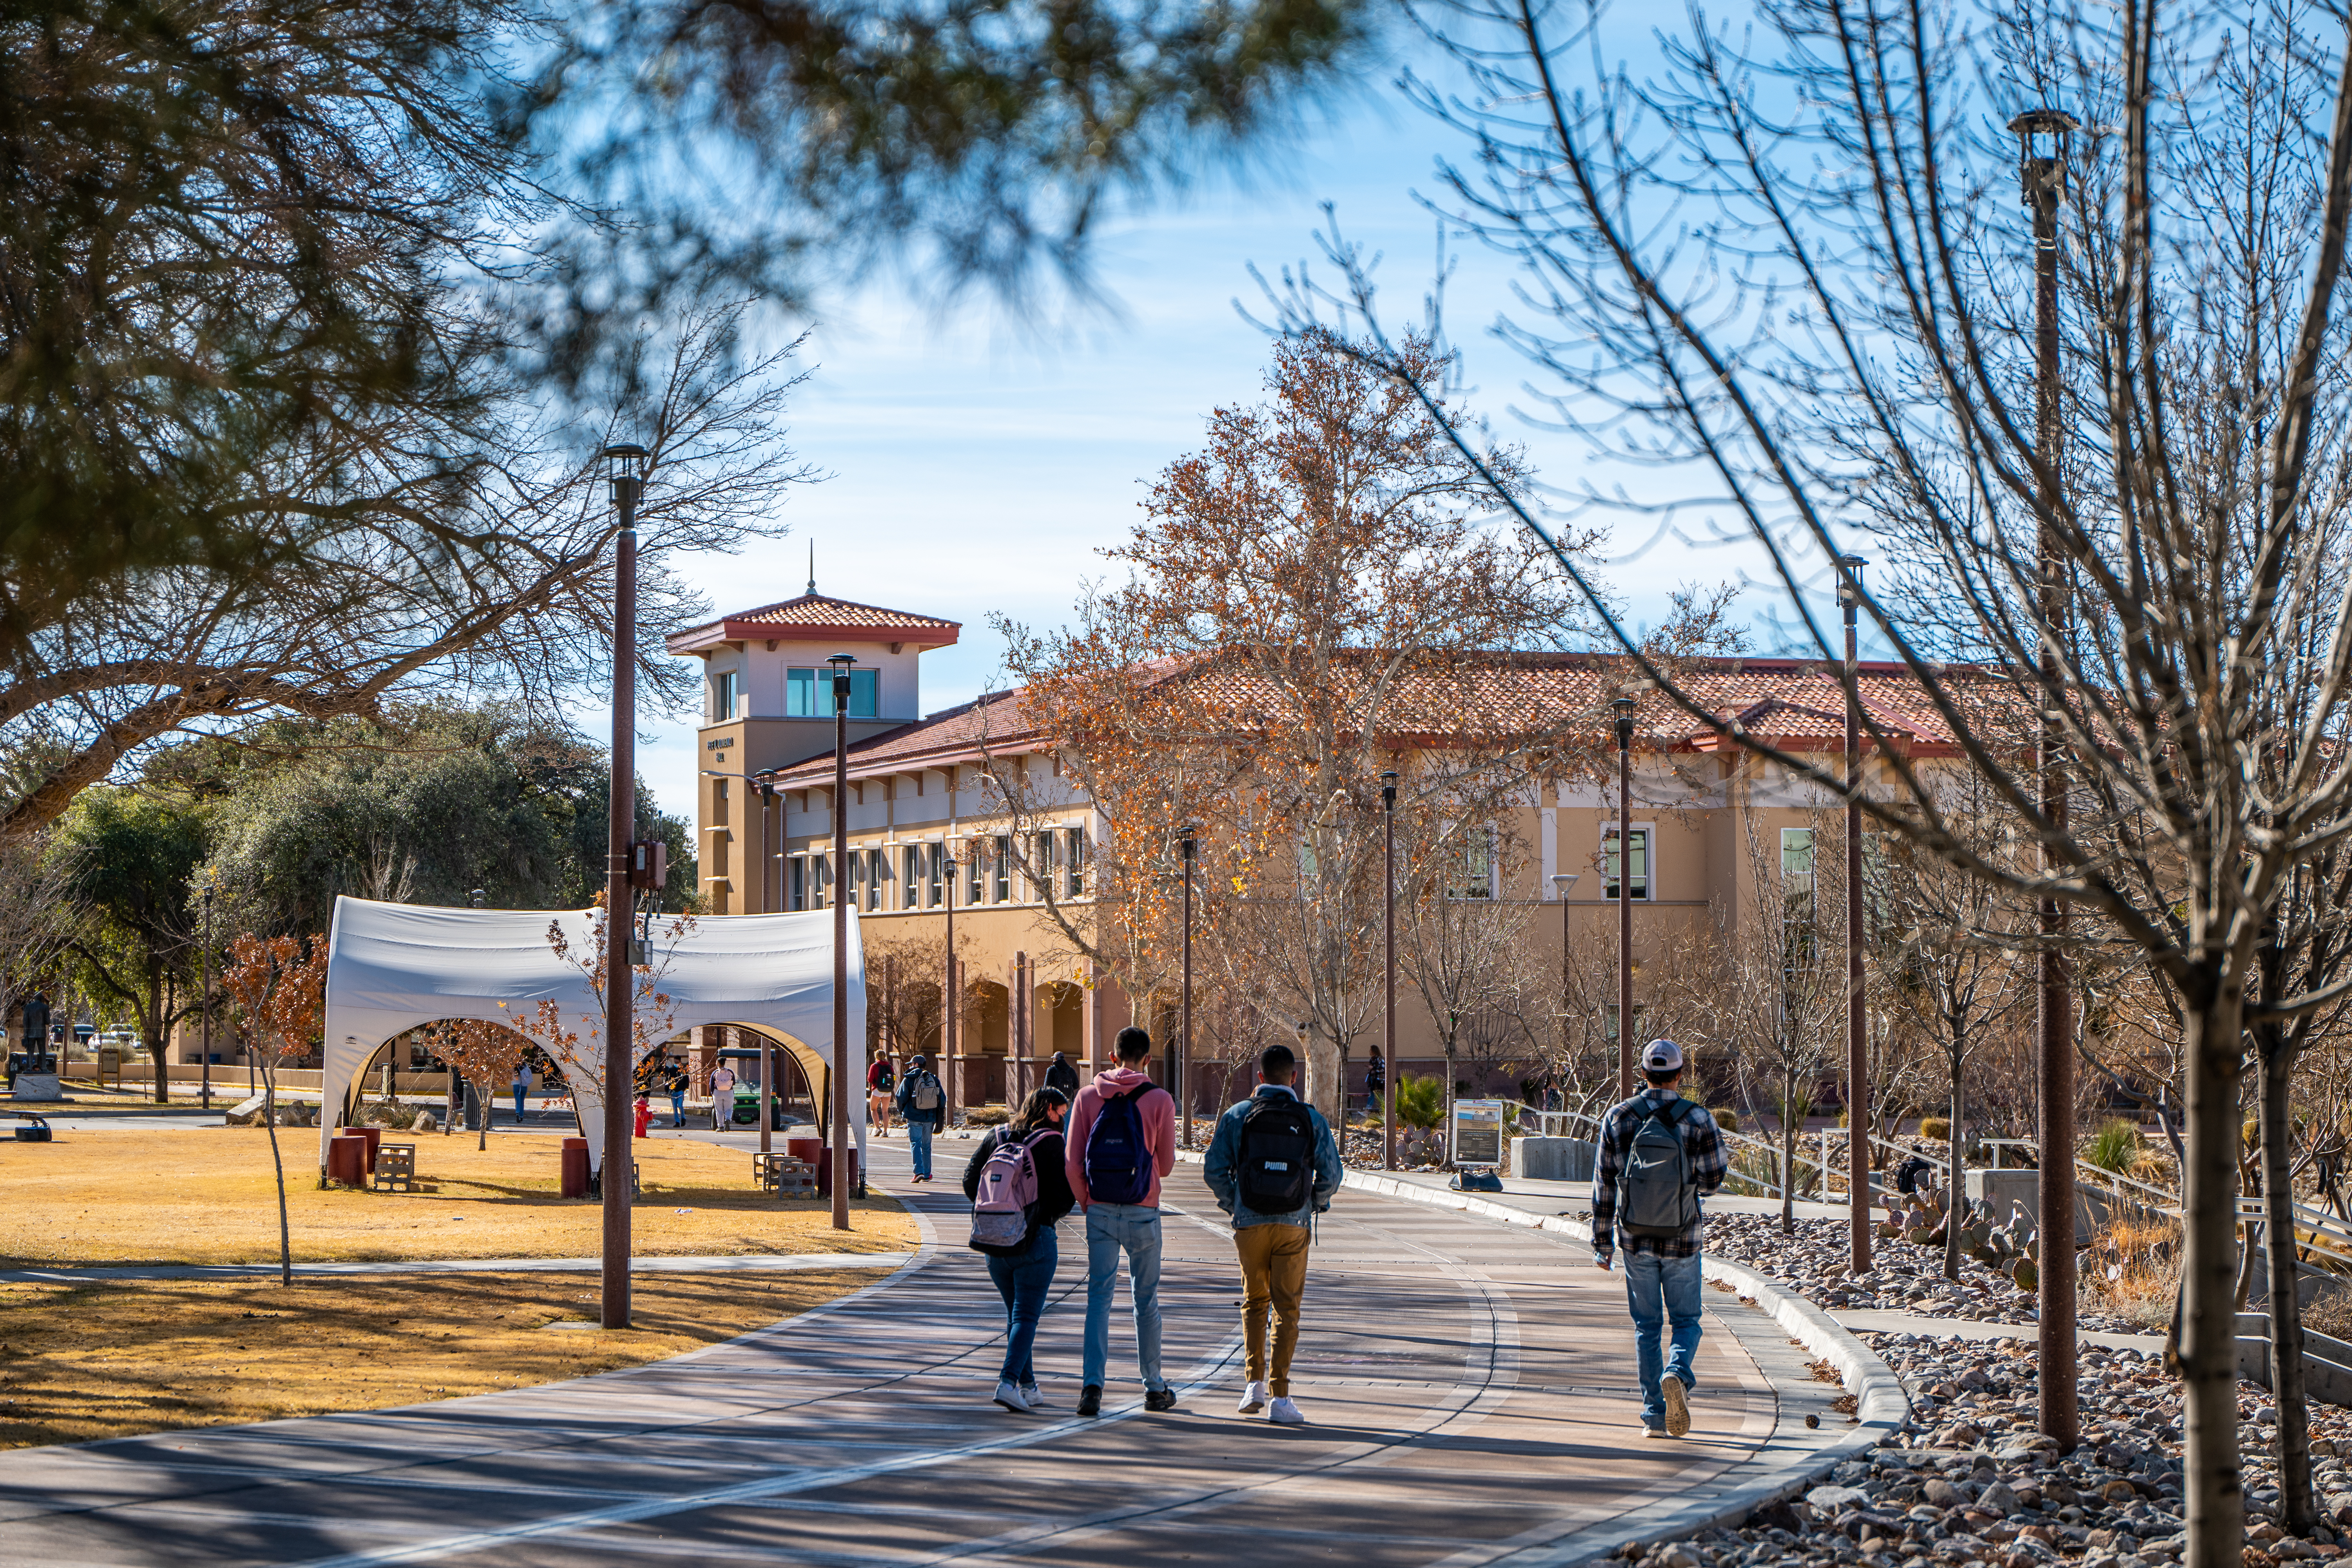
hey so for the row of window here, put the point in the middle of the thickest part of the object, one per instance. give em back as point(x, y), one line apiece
point(808, 694)
point(914, 876)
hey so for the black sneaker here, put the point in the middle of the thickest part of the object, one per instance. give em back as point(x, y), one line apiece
point(1090, 1400)
point(1159, 1399)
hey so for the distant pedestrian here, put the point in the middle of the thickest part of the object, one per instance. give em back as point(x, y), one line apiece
point(644, 1114)
point(1376, 1082)
point(879, 1083)
point(675, 1081)
point(1019, 1188)
point(1272, 1167)
point(923, 1106)
point(1061, 1075)
point(1121, 1142)
point(523, 1081)
point(722, 1095)
point(1659, 1155)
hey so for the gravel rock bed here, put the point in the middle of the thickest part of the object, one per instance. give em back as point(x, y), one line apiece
point(1904, 1277)
point(1972, 1482)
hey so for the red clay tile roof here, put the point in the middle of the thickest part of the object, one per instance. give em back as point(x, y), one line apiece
point(1793, 702)
point(813, 617)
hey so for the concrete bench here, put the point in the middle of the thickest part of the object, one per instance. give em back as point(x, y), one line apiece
point(784, 1176)
point(395, 1168)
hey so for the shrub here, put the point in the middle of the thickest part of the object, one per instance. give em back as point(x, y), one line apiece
point(1727, 1120)
point(1420, 1102)
point(987, 1116)
point(1939, 1127)
point(2116, 1147)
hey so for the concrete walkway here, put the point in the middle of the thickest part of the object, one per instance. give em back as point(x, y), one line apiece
point(1469, 1384)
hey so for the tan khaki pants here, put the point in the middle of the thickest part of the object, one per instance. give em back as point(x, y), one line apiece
point(1274, 1274)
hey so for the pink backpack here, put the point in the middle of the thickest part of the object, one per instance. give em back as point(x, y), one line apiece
point(1008, 1189)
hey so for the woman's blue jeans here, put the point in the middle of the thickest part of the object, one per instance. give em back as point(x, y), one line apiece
point(1024, 1280)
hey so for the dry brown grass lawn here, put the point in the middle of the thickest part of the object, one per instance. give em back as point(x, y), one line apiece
point(205, 1196)
point(84, 1361)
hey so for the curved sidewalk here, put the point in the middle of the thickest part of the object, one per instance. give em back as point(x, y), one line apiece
point(1470, 1386)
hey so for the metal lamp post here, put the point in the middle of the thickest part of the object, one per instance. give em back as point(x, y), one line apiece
point(951, 998)
point(207, 1045)
point(841, 1162)
point(1857, 1034)
point(2044, 179)
point(625, 467)
point(1564, 883)
point(1183, 1052)
point(1388, 1069)
point(1625, 707)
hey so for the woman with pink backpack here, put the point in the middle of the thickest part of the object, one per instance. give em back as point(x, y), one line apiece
point(1018, 1188)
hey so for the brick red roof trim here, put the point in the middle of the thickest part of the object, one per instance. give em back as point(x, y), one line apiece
point(815, 617)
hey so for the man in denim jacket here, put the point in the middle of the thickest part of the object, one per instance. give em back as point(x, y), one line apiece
point(1273, 1247)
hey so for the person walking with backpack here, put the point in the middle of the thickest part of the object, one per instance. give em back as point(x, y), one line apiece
point(1061, 1075)
point(923, 1106)
point(1659, 1155)
point(1272, 1167)
point(1019, 1183)
point(1121, 1142)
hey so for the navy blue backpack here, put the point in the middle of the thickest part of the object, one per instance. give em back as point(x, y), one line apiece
point(1118, 1166)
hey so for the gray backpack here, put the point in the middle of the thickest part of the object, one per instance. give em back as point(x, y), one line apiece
point(1655, 1194)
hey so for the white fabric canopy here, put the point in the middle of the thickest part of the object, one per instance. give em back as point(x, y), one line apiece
point(392, 967)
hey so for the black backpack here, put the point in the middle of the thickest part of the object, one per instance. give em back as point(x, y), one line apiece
point(1277, 1156)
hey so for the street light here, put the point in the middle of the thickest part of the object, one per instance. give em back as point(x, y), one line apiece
point(1857, 1038)
point(2042, 175)
point(207, 1071)
point(1188, 838)
point(1624, 707)
point(1388, 969)
point(764, 780)
point(478, 897)
point(840, 663)
point(1563, 883)
point(625, 469)
point(951, 998)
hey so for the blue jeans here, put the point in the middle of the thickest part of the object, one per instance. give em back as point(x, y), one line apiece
point(677, 1108)
point(1024, 1280)
point(1657, 1290)
point(1133, 1228)
point(517, 1105)
point(919, 1140)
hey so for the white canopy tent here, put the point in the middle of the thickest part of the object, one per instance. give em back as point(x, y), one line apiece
point(393, 967)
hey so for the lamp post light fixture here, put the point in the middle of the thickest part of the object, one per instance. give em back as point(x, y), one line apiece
point(1188, 838)
point(1624, 709)
point(1857, 1032)
point(1563, 884)
point(841, 1161)
point(2041, 170)
point(207, 1045)
point(1388, 969)
point(625, 469)
point(478, 897)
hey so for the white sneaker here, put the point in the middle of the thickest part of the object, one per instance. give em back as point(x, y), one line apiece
point(1283, 1413)
point(1010, 1397)
point(1677, 1400)
point(1033, 1394)
point(1253, 1399)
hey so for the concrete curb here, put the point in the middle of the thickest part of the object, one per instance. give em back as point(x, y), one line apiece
point(1881, 1407)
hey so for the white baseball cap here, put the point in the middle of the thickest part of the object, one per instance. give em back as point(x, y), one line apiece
point(1662, 1055)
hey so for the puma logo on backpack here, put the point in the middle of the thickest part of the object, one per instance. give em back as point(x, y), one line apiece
point(1656, 1193)
point(1277, 1156)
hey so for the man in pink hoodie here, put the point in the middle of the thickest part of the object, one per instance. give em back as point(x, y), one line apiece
point(1122, 1140)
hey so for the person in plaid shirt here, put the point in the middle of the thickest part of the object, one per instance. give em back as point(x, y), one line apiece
point(1662, 1272)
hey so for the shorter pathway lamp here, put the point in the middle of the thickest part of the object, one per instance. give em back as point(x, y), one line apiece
point(625, 469)
point(1184, 1053)
point(1624, 707)
point(841, 1161)
point(950, 1000)
point(44, 1044)
point(1563, 884)
point(1389, 1070)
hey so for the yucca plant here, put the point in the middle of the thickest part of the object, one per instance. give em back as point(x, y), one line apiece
point(1420, 1102)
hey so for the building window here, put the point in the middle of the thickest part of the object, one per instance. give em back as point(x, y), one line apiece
point(1609, 1012)
point(1074, 864)
point(1638, 870)
point(820, 881)
point(975, 868)
point(937, 877)
point(1477, 879)
point(722, 695)
point(910, 876)
point(796, 884)
point(1042, 845)
point(1003, 847)
point(1796, 852)
point(865, 693)
point(800, 694)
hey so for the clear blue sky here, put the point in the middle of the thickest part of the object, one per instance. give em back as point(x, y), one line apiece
point(977, 467)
